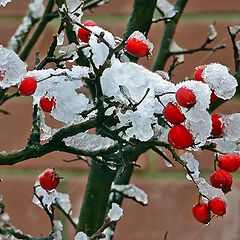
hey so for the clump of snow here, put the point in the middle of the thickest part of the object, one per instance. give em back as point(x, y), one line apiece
point(4, 2)
point(63, 200)
point(212, 33)
point(109, 234)
point(89, 142)
point(174, 47)
point(207, 190)
point(231, 130)
point(57, 230)
point(141, 37)
point(224, 146)
point(99, 49)
point(5, 218)
point(115, 213)
point(60, 38)
point(192, 164)
point(81, 236)
point(69, 50)
point(12, 68)
point(132, 191)
point(36, 8)
point(166, 8)
point(234, 30)
point(220, 80)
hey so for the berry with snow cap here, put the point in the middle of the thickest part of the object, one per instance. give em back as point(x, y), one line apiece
point(83, 34)
point(47, 104)
point(49, 179)
point(28, 86)
point(217, 125)
point(173, 114)
point(198, 73)
point(185, 97)
point(180, 137)
point(229, 162)
point(138, 46)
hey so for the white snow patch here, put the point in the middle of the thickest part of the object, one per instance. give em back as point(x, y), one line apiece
point(4, 2)
point(115, 213)
point(167, 8)
point(81, 236)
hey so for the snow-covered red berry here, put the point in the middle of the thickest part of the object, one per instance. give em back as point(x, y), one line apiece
point(221, 179)
point(47, 104)
point(217, 206)
point(180, 137)
point(214, 97)
point(185, 97)
point(198, 73)
point(83, 34)
point(173, 114)
point(217, 125)
point(49, 179)
point(201, 213)
point(28, 86)
point(229, 162)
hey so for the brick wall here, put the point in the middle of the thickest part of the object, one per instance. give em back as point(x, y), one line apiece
point(171, 196)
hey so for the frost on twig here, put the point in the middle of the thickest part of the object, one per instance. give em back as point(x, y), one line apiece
point(4, 2)
point(176, 48)
point(212, 33)
point(131, 191)
point(35, 11)
point(166, 8)
point(81, 236)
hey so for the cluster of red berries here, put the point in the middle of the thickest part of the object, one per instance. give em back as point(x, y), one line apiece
point(179, 136)
point(219, 179)
point(49, 179)
point(28, 87)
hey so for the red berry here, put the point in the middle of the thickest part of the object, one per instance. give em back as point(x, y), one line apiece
point(47, 104)
point(217, 206)
point(229, 162)
point(28, 86)
point(217, 125)
point(213, 96)
point(185, 97)
point(201, 213)
point(83, 34)
point(198, 73)
point(137, 48)
point(172, 113)
point(180, 137)
point(49, 179)
point(221, 179)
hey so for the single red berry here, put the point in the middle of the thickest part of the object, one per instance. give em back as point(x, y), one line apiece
point(28, 86)
point(213, 97)
point(217, 125)
point(217, 206)
point(173, 114)
point(221, 179)
point(229, 162)
point(201, 213)
point(83, 34)
point(185, 97)
point(49, 179)
point(180, 137)
point(47, 104)
point(137, 48)
point(198, 73)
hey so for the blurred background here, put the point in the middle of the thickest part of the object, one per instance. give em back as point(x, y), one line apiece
point(171, 195)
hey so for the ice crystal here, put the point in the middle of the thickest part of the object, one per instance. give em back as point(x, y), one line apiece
point(81, 236)
point(99, 49)
point(166, 8)
point(234, 30)
point(12, 68)
point(220, 80)
point(115, 213)
point(192, 164)
point(212, 33)
point(231, 130)
point(89, 142)
point(132, 191)
point(176, 48)
point(57, 230)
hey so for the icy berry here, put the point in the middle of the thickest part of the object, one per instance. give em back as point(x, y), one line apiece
point(49, 179)
point(217, 206)
point(198, 73)
point(185, 97)
point(173, 114)
point(28, 86)
point(83, 34)
point(179, 137)
point(47, 104)
point(229, 162)
point(201, 213)
point(217, 125)
point(137, 48)
point(221, 179)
